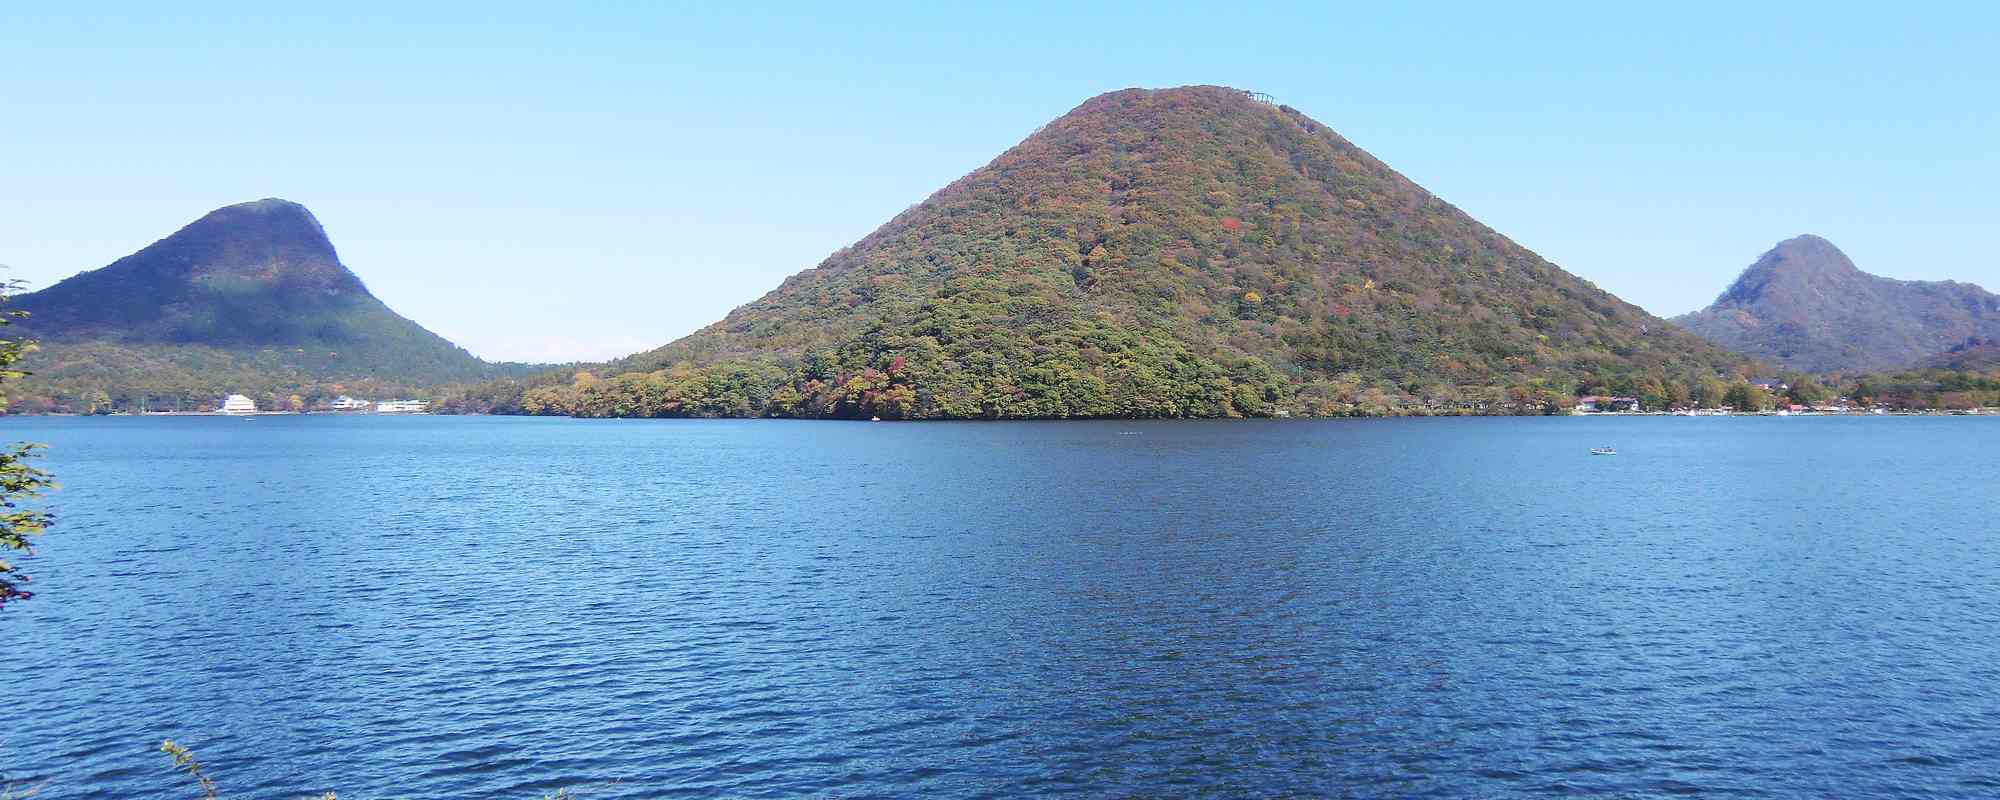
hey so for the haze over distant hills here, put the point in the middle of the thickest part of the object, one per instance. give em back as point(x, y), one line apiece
point(1195, 251)
point(251, 296)
point(1806, 306)
point(1975, 355)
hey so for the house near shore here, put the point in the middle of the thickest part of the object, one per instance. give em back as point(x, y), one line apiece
point(1601, 404)
point(345, 403)
point(237, 404)
point(402, 406)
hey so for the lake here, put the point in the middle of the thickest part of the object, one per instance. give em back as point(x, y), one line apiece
point(439, 607)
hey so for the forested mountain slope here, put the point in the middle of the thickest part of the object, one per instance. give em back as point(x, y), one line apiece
point(249, 298)
point(1806, 306)
point(1181, 252)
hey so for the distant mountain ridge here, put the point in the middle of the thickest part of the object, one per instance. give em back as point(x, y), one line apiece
point(1805, 305)
point(1194, 251)
point(224, 278)
point(1975, 355)
point(257, 274)
point(249, 295)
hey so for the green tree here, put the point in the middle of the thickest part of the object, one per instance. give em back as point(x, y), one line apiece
point(1747, 397)
point(1805, 391)
point(96, 401)
point(19, 481)
point(1761, 399)
point(1709, 393)
point(1738, 397)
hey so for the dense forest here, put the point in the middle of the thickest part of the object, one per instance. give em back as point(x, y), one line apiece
point(1192, 252)
point(106, 377)
point(741, 389)
point(1929, 390)
point(95, 377)
point(744, 389)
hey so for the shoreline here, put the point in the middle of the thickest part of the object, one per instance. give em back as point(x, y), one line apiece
point(243, 414)
point(1983, 412)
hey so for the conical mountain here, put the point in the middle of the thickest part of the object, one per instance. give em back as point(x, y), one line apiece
point(1185, 252)
point(250, 295)
point(1806, 306)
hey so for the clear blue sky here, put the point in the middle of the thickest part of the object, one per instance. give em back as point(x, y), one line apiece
point(537, 182)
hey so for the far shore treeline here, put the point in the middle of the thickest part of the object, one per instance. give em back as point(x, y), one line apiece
point(825, 391)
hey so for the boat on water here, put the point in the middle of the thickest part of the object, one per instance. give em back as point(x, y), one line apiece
point(1604, 451)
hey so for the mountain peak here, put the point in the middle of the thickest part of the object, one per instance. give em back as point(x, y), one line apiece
point(271, 223)
point(1177, 104)
point(1791, 265)
point(1805, 305)
point(1151, 245)
point(1176, 93)
point(250, 272)
point(268, 205)
point(249, 293)
point(1809, 251)
point(1804, 240)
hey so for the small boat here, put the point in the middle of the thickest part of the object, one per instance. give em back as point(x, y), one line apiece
point(1604, 451)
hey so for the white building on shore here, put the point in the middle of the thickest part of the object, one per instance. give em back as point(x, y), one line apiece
point(402, 406)
point(237, 404)
point(345, 403)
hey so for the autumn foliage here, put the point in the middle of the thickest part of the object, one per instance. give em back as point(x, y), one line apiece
point(1176, 253)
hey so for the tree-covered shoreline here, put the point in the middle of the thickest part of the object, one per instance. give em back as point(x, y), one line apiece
point(740, 391)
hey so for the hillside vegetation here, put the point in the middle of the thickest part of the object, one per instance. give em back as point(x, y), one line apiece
point(1191, 252)
point(250, 298)
point(1973, 355)
point(1804, 305)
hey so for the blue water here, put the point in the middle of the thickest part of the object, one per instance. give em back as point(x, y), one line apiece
point(494, 608)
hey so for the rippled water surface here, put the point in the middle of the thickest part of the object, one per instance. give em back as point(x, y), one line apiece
point(436, 607)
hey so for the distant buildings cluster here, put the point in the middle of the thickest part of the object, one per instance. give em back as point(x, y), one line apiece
point(242, 404)
point(1600, 404)
point(1605, 404)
